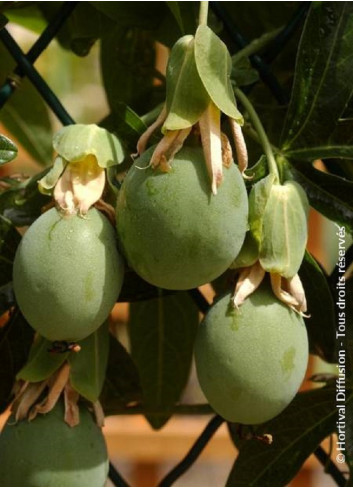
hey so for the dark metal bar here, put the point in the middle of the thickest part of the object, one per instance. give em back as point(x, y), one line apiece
point(33, 75)
point(38, 47)
point(330, 467)
point(199, 300)
point(276, 46)
point(117, 479)
point(257, 62)
point(193, 453)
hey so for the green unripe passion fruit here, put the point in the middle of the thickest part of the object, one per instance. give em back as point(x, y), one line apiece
point(67, 274)
point(251, 362)
point(46, 452)
point(175, 234)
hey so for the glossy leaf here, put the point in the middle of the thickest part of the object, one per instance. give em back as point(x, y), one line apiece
point(128, 68)
point(9, 240)
point(162, 332)
point(15, 342)
point(26, 116)
point(8, 150)
point(175, 9)
point(321, 323)
point(322, 84)
point(330, 195)
point(41, 362)
point(187, 98)
point(297, 431)
point(126, 123)
point(122, 384)
point(284, 229)
point(22, 203)
point(214, 67)
point(88, 366)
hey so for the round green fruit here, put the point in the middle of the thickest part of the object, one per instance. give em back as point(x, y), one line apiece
point(46, 452)
point(175, 234)
point(67, 274)
point(251, 362)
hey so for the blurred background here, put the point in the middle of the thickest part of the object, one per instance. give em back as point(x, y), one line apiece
point(142, 455)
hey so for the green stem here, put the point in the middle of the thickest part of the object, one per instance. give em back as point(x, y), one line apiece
point(203, 14)
point(265, 143)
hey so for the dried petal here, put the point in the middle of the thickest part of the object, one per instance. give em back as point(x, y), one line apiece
point(28, 398)
point(72, 412)
point(142, 142)
point(249, 280)
point(98, 413)
point(57, 384)
point(240, 146)
point(295, 288)
point(167, 148)
point(227, 153)
point(210, 130)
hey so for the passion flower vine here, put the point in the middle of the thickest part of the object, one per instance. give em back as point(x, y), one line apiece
point(198, 91)
point(77, 178)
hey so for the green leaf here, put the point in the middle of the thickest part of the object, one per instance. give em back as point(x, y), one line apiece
point(9, 240)
point(214, 65)
point(41, 362)
point(187, 98)
point(321, 323)
point(25, 115)
point(162, 333)
point(330, 195)
point(297, 431)
point(27, 16)
point(125, 123)
point(88, 366)
point(15, 341)
point(242, 72)
point(84, 26)
point(284, 229)
point(175, 9)
point(22, 203)
point(128, 68)
point(77, 141)
point(8, 150)
point(122, 384)
point(322, 84)
point(136, 289)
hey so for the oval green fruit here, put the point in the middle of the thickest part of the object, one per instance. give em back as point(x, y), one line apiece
point(175, 234)
point(251, 361)
point(46, 452)
point(67, 274)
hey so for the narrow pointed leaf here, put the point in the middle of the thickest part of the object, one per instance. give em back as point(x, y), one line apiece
point(175, 9)
point(9, 240)
point(297, 431)
point(329, 194)
point(88, 366)
point(162, 333)
point(8, 150)
point(187, 98)
point(122, 384)
point(321, 323)
point(41, 362)
point(322, 84)
point(214, 66)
